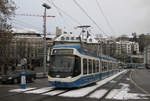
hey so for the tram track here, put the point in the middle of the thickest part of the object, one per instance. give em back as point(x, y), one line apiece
point(113, 86)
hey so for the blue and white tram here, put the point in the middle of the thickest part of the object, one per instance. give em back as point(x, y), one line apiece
point(74, 66)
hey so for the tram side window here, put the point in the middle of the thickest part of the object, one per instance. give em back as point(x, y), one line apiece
point(77, 69)
point(105, 66)
point(97, 66)
point(102, 66)
point(94, 69)
point(110, 66)
point(84, 66)
point(90, 66)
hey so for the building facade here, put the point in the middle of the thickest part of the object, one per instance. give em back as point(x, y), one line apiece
point(147, 55)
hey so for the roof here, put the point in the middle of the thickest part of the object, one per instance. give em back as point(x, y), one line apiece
point(70, 37)
point(17, 30)
point(84, 51)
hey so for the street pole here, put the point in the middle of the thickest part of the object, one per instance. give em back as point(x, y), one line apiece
point(44, 38)
point(44, 43)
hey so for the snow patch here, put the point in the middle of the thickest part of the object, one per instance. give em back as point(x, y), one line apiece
point(84, 91)
point(54, 92)
point(42, 90)
point(122, 94)
point(128, 79)
point(21, 90)
point(112, 81)
point(98, 94)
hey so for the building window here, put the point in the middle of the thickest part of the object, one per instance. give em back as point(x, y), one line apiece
point(62, 38)
point(67, 38)
point(77, 38)
point(90, 40)
point(72, 38)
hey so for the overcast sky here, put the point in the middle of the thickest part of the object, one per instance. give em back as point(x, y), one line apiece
point(124, 16)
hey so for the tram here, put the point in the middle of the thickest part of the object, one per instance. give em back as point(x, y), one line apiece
point(74, 66)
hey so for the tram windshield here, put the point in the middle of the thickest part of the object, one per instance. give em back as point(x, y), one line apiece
point(64, 66)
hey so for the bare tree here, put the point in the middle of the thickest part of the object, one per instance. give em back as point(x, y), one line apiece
point(7, 8)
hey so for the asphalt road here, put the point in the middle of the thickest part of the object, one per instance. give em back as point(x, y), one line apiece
point(141, 77)
point(121, 88)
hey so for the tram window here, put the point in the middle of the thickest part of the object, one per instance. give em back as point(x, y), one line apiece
point(102, 66)
point(94, 69)
point(97, 66)
point(77, 67)
point(110, 64)
point(90, 66)
point(105, 66)
point(84, 66)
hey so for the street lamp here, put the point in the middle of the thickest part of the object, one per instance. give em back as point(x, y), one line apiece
point(46, 6)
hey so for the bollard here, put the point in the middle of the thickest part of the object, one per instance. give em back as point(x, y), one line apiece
point(23, 80)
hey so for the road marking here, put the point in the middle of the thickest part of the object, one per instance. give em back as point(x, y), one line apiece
point(38, 91)
point(98, 94)
point(21, 90)
point(54, 92)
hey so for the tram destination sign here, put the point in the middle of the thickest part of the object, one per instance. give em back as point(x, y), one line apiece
point(62, 51)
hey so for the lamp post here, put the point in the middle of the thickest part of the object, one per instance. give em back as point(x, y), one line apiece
point(46, 6)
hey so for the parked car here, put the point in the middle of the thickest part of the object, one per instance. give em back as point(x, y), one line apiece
point(15, 76)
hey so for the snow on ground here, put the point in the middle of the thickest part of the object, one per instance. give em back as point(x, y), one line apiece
point(112, 81)
point(21, 90)
point(127, 79)
point(54, 92)
point(98, 94)
point(123, 94)
point(42, 90)
point(84, 91)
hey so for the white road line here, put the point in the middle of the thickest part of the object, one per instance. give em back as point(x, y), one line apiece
point(54, 92)
point(98, 94)
point(21, 90)
point(41, 90)
point(84, 91)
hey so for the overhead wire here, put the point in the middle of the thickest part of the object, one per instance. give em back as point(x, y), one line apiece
point(100, 29)
point(60, 14)
point(59, 9)
point(106, 19)
point(24, 24)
